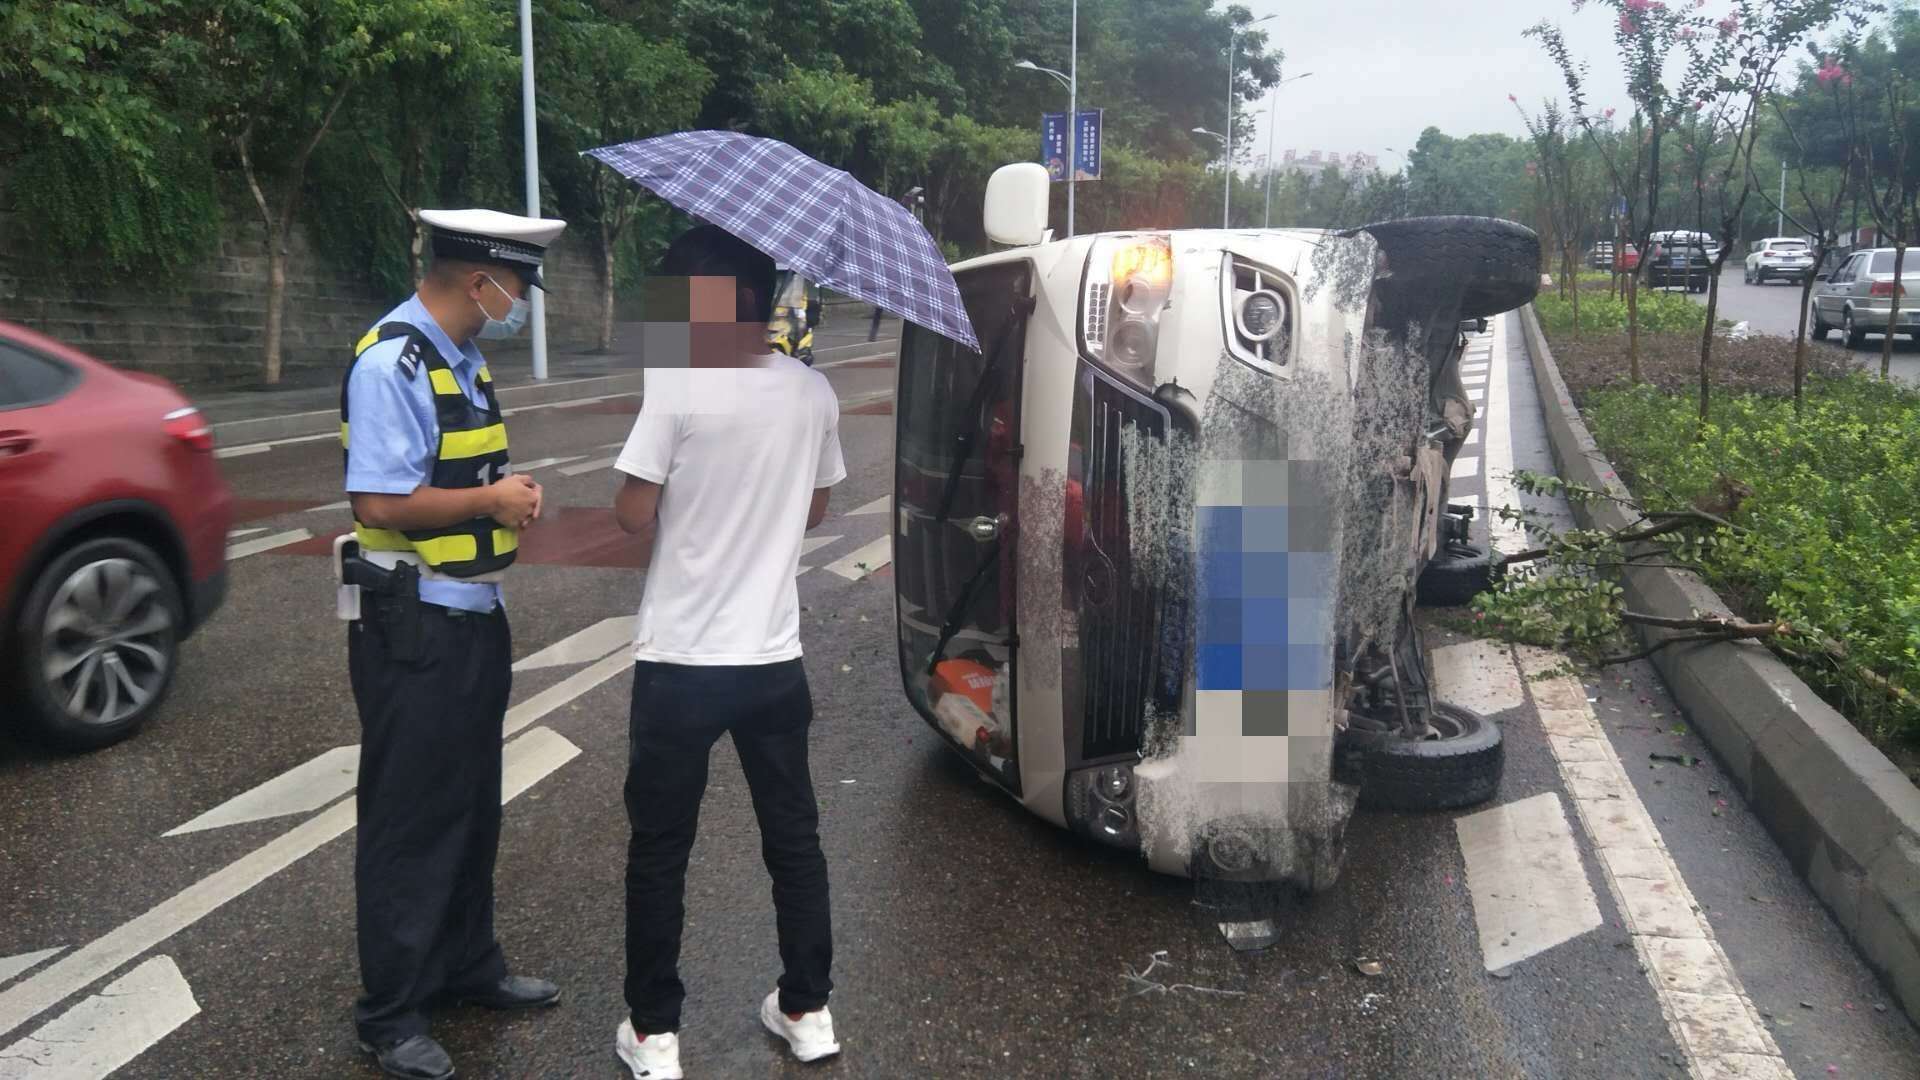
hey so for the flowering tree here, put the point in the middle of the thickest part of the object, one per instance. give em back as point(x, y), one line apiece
point(1891, 187)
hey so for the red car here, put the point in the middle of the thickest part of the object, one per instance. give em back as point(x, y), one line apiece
point(114, 543)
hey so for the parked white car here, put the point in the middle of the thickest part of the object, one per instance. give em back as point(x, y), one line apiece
point(1779, 258)
point(1157, 544)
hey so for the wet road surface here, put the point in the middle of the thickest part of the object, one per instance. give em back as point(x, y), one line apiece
point(971, 938)
point(1773, 307)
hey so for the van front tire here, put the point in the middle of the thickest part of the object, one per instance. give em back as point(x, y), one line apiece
point(1460, 767)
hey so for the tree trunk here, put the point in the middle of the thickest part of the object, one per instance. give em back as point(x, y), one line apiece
point(1573, 274)
point(276, 303)
point(606, 290)
point(1706, 346)
point(1800, 335)
point(1633, 327)
point(1893, 308)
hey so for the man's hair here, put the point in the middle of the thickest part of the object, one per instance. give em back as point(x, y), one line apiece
point(449, 271)
point(710, 251)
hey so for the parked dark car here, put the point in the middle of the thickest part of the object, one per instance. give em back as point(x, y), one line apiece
point(1687, 265)
point(114, 547)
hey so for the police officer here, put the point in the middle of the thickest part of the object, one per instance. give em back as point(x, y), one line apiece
point(437, 516)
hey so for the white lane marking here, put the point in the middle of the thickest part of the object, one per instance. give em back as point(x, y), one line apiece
point(245, 449)
point(811, 544)
point(343, 504)
point(235, 534)
point(1465, 467)
point(241, 451)
point(581, 646)
point(588, 466)
point(544, 462)
point(76, 971)
point(266, 543)
point(864, 561)
point(566, 690)
point(1529, 890)
point(1473, 380)
point(1705, 1006)
point(108, 1030)
point(877, 506)
point(852, 360)
point(1473, 437)
point(1478, 675)
point(531, 758)
point(15, 965)
point(569, 403)
point(300, 790)
point(577, 402)
point(1508, 537)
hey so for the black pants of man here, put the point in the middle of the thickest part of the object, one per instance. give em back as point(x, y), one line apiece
point(679, 712)
point(431, 702)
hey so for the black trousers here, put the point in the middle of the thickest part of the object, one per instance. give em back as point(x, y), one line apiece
point(678, 714)
point(429, 809)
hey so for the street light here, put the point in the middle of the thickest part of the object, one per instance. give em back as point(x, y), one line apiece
point(1072, 81)
point(1233, 41)
point(539, 312)
point(1273, 110)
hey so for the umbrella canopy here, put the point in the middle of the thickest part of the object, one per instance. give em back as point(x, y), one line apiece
point(814, 218)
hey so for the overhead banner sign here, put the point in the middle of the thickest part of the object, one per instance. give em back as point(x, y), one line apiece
point(1054, 150)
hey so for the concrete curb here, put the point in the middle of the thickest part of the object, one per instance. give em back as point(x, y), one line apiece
point(1845, 816)
point(293, 425)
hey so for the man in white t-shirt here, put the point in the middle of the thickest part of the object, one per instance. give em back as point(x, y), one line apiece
point(728, 465)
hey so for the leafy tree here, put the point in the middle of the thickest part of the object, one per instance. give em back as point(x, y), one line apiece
point(608, 84)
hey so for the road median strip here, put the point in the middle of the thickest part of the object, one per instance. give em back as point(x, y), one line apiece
point(1844, 815)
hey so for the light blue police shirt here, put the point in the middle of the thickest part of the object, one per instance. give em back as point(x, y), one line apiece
point(395, 431)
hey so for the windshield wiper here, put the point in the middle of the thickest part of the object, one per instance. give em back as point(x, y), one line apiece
point(975, 399)
point(986, 571)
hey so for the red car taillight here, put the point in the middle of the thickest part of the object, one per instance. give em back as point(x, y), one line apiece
point(1885, 288)
point(187, 425)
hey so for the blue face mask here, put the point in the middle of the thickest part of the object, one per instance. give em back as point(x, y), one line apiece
point(515, 321)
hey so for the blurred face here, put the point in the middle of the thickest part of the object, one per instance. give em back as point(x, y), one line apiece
point(697, 322)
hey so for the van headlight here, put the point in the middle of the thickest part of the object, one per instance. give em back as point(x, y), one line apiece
point(1262, 315)
point(1127, 284)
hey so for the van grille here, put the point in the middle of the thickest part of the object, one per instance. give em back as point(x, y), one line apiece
point(1119, 610)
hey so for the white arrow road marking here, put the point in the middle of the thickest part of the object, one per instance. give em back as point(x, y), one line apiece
point(524, 765)
point(588, 466)
point(14, 965)
point(547, 461)
point(266, 543)
point(865, 561)
point(107, 1030)
point(1478, 675)
point(877, 506)
point(581, 646)
point(300, 790)
point(1529, 890)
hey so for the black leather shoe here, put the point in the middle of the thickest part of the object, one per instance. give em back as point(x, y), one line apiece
point(513, 992)
point(419, 1058)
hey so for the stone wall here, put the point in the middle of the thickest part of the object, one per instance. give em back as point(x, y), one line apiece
point(204, 326)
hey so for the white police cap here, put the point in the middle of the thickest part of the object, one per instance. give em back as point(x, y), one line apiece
point(489, 236)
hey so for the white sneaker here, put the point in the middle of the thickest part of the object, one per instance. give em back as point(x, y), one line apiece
point(656, 1057)
point(810, 1037)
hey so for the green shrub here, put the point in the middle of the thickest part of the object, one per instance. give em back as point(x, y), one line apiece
point(1660, 312)
point(1830, 535)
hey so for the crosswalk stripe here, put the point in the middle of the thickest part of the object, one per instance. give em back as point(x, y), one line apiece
point(877, 506)
point(588, 466)
point(864, 561)
point(546, 462)
point(266, 543)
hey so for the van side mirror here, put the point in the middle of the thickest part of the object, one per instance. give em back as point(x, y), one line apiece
point(1016, 204)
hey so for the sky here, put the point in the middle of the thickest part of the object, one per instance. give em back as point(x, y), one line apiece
point(1384, 70)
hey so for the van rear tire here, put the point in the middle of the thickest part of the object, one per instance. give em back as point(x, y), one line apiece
point(1493, 265)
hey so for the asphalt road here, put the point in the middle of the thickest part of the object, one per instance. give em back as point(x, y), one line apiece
point(1773, 307)
point(972, 939)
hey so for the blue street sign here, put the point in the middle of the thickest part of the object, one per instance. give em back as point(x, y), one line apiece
point(1086, 164)
point(1053, 144)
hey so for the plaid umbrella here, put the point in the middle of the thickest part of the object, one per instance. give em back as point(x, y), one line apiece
point(816, 219)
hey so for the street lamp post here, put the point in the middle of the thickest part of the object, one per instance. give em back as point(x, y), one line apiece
point(1070, 80)
point(539, 312)
point(1233, 42)
point(1273, 121)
